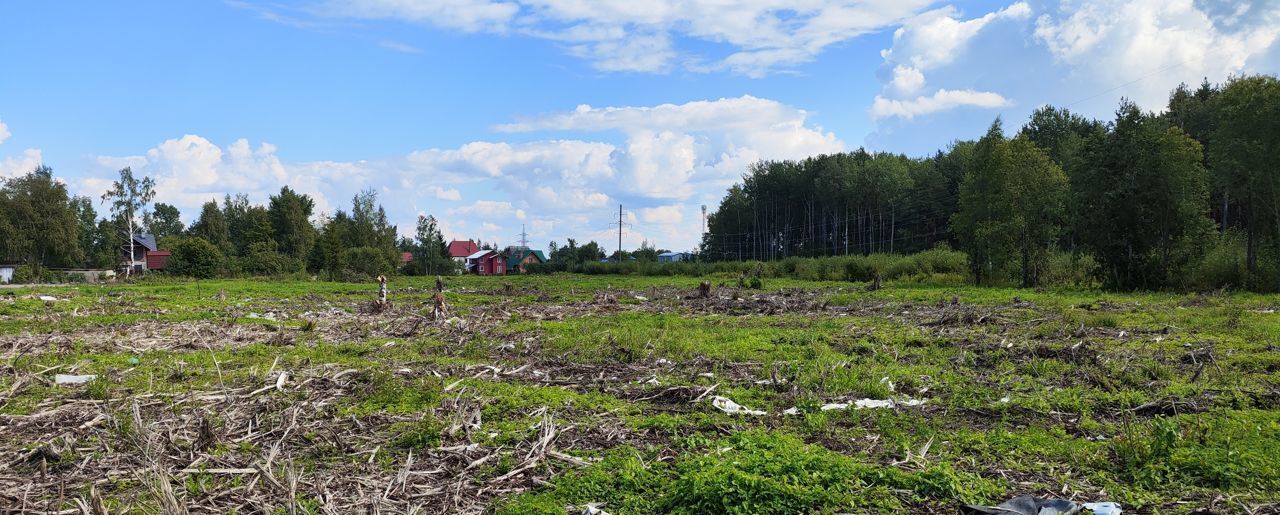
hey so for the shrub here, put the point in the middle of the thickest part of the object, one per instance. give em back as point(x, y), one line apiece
point(196, 257)
point(1223, 264)
point(370, 261)
point(270, 263)
point(24, 274)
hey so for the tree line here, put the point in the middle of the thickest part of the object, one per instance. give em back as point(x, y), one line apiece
point(1185, 198)
point(44, 228)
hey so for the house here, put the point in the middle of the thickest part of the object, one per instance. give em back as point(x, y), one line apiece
point(157, 259)
point(135, 256)
point(486, 262)
point(459, 250)
point(518, 257)
point(672, 257)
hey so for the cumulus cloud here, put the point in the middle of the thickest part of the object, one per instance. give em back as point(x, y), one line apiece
point(192, 170)
point(940, 100)
point(934, 38)
point(1126, 42)
point(662, 215)
point(927, 42)
point(4, 132)
point(672, 149)
point(625, 35)
point(20, 165)
point(451, 194)
point(664, 157)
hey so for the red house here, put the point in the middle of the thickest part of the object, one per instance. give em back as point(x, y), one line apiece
point(459, 250)
point(157, 259)
point(486, 262)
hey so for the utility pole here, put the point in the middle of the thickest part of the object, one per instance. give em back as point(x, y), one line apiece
point(620, 233)
point(524, 237)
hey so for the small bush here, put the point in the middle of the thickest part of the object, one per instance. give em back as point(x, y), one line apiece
point(24, 274)
point(370, 261)
point(196, 257)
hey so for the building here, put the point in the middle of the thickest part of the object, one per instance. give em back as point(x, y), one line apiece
point(142, 244)
point(157, 259)
point(459, 250)
point(518, 257)
point(6, 273)
point(486, 262)
point(406, 258)
point(672, 257)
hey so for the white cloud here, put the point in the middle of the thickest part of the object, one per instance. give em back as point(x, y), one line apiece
point(17, 166)
point(626, 35)
point(1113, 42)
point(192, 170)
point(4, 132)
point(906, 79)
point(934, 38)
point(672, 148)
point(668, 158)
point(941, 100)
point(451, 194)
point(662, 215)
point(399, 47)
point(465, 15)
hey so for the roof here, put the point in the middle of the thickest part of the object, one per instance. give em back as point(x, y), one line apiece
point(146, 240)
point(518, 255)
point(673, 254)
point(479, 254)
point(462, 248)
point(406, 257)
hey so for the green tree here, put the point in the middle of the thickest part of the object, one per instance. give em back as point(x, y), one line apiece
point(290, 214)
point(163, 221)
point(1011, 207)
point(430, 253)
point(128, 196)
point(1142, 199)
point(42, 223)
point(87, 223)
point(212, 227)
point(195, 257)
point(330, 249)
point(1244, 149)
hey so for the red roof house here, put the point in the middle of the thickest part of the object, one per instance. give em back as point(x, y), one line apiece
point(460, 249)
point(486, 262)
point(406, 257)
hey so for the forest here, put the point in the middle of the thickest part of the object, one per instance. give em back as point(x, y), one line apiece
point(1187, 198)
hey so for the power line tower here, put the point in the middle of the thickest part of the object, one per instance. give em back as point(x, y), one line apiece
point(524, 237)
point(621, 223)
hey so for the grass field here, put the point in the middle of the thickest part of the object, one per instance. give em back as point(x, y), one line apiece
point(546, 394)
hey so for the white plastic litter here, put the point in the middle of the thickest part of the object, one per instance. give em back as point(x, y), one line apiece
point(733, 408)
point(73, 379)
point(1103, 508)
point(594, 509)
point(47, 298)
point(861, 404)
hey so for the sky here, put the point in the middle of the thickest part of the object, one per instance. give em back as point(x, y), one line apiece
point(543, 116)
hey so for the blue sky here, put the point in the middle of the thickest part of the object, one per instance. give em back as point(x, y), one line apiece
point(492, 114)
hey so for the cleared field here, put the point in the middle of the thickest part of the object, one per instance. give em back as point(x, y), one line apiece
point(547, 394)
